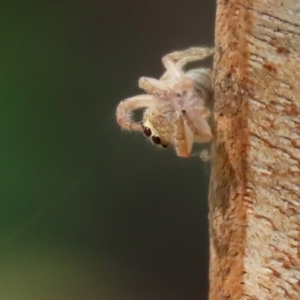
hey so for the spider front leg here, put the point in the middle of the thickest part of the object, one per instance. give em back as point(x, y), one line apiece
point(184, 137)
point(197, 122)
point(127, 106)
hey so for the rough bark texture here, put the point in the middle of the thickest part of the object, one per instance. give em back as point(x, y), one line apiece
point(255, 183)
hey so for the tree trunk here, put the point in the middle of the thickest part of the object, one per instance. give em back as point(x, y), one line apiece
point(255, 182)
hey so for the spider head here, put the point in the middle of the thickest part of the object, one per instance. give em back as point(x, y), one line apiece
point(158, 123)
point(152, 134)
point(165, 126)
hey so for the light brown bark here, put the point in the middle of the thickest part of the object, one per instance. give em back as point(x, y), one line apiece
point(255, 182)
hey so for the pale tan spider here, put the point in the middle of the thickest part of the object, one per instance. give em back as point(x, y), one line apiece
point(176, 104)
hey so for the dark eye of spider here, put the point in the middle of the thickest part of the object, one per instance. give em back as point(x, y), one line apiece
point(164, 146)
point(156, 139)
point(147, 131)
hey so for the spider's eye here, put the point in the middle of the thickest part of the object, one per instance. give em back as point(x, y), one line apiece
point(147, 131)
point(164, 146)
point(156, 139)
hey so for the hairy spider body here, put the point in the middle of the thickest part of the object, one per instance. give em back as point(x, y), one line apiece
point(176, 111)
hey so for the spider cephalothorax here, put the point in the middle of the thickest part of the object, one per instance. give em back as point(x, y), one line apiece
point(176, 112)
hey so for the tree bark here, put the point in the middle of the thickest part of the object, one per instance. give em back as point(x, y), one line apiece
point(255, 181)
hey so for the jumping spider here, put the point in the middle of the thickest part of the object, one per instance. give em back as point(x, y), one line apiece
point(176, 112)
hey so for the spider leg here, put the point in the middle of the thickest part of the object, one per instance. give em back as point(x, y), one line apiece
point(125, 108)
point(183, 138)
point(153, 86)
point(181, 58)
point(198, 126)
point(175, 61)
point(173, 70)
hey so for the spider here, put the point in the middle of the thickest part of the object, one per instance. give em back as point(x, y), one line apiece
point(176, 113)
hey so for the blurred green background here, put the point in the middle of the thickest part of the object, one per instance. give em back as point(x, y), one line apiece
point(88, 211)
